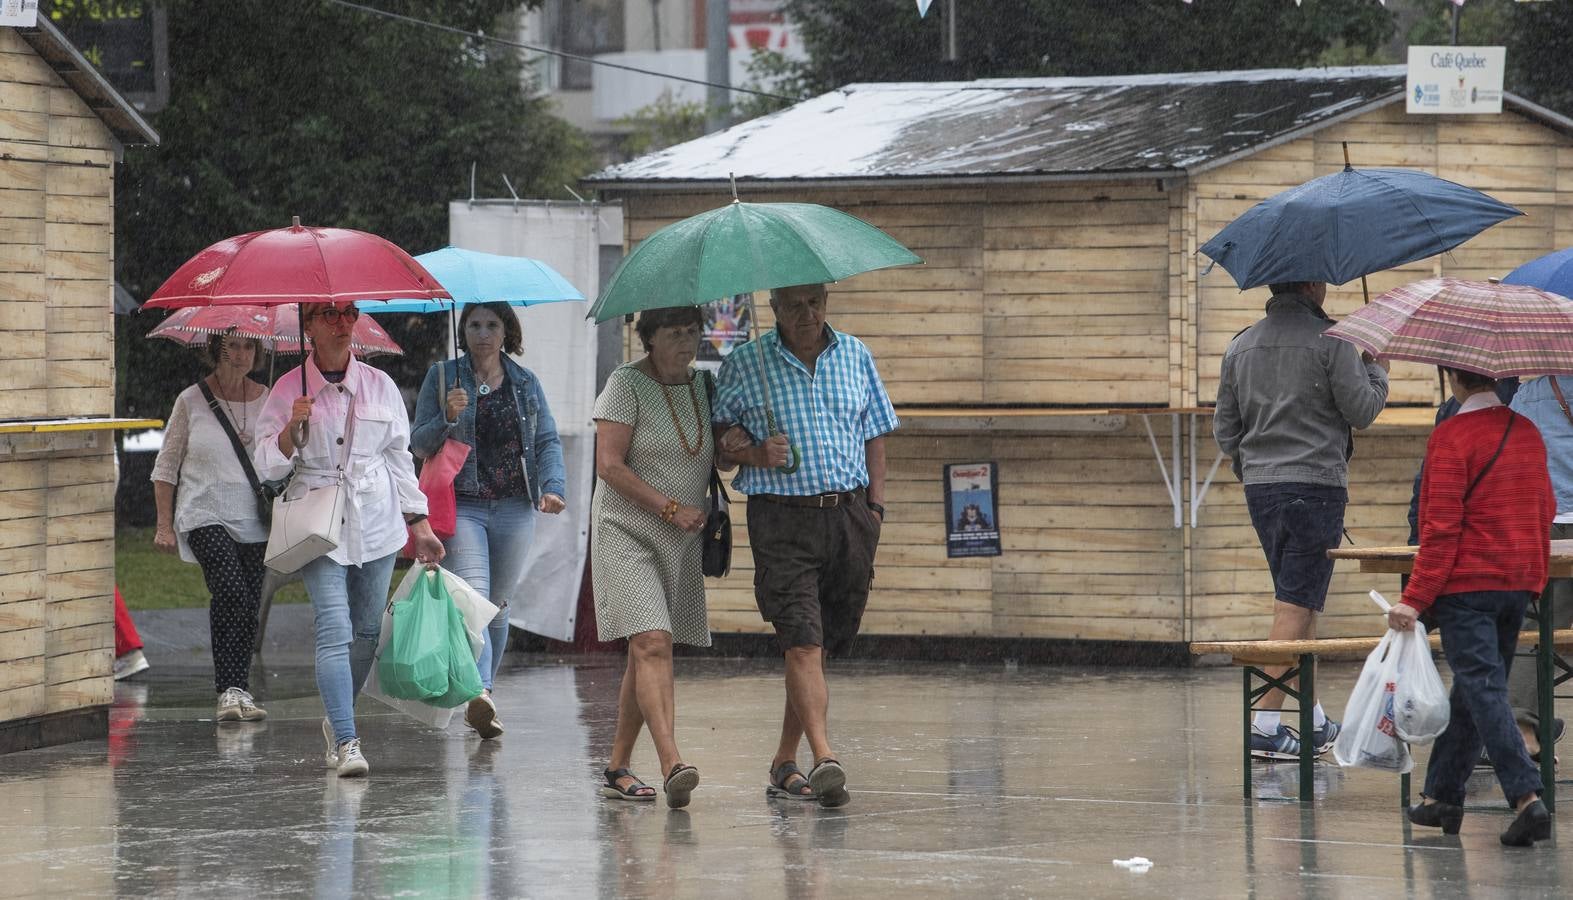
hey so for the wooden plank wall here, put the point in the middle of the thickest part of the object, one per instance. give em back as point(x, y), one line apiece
point(57, 361)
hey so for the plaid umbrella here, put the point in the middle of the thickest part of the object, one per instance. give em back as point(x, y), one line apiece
point(1493, 329)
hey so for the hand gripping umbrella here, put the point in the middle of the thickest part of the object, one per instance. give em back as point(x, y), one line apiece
point(1349, 224)
point(742, 248)
point(296, 265)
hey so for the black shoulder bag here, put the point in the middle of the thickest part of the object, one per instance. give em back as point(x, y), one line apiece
point(717, 543)
point(262, 491)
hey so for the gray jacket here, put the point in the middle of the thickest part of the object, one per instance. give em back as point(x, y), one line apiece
point(1288, 396)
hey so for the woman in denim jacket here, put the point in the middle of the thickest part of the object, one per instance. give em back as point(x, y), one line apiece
point(515, 468)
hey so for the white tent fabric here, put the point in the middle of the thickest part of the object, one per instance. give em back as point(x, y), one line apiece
point(560, 348)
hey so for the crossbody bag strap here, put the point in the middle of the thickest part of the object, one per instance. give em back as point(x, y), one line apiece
point(1561, 400)
point(349, 433)
point(717, 486)
point(234, 439)
point(1512, 417)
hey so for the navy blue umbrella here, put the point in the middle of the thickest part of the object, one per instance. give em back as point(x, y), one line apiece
point(1552, 272)
point(1349, 224)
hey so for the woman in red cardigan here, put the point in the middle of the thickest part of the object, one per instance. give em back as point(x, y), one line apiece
point(1485, 508)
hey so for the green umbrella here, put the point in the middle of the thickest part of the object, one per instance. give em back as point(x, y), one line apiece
point(746, 247)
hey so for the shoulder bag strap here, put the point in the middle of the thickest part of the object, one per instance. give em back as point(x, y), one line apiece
point(1561, 400)
point(1512, 417)
point(717, 486)
point(234, 439)
point(349, 433)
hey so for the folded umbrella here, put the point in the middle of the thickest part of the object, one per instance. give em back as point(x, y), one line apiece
point(1487, 327)
point(1349, 224)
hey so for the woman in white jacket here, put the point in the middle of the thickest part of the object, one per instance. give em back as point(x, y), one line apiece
point(358, 422)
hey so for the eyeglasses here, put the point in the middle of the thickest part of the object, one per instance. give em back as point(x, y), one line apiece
point(332, 314)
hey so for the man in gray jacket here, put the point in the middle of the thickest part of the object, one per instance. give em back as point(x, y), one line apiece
point(1288, 398)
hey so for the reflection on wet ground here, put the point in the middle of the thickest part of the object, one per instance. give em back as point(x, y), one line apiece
point(967, 781)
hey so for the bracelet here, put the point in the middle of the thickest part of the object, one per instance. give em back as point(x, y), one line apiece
point(877, 508)
point(669, 510)
point(418, 517)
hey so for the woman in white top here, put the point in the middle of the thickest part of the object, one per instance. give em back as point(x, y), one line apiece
point(357, 417)
point(212, 519)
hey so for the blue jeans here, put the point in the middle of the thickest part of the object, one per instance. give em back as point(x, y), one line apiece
point(347, 603)
point(1479, 632)
point(490, 543)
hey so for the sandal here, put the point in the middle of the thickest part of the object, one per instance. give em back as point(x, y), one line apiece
point(636, 791)
point(781, 782)
point(680, 785)
point(829, 780)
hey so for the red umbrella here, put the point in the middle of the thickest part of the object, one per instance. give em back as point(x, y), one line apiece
point(279, 326)
point(298, 264)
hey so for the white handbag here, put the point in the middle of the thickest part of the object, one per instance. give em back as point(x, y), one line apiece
point(309, 522)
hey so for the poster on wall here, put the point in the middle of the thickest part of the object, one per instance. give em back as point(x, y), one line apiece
point(972, 510)
point(727, 325)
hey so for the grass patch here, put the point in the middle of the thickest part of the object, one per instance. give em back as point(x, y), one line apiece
point(149, 579)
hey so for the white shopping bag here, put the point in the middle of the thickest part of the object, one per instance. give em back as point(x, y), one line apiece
point(478, 612)
point(1369, 738)
point(1420, 704)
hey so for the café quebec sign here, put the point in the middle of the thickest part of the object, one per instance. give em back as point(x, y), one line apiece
point(1455, 80)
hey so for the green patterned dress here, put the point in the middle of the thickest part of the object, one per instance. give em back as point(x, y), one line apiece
point(647, 572)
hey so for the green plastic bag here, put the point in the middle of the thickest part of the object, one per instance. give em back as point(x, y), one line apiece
point(415, 664)
point(464, 678)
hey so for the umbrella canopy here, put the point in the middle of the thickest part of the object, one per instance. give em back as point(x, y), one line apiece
point(1494, 329)
point(1349, 224)
point(746, 247)
point(1552, 272)
point(298, 264)
point(279, 326)
point(473, 277)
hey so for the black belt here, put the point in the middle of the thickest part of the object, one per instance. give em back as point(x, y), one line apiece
point(827, 500)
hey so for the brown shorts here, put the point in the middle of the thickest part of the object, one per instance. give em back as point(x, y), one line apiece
point(813, 569)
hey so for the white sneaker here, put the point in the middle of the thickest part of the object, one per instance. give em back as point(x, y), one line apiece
point(331, 758)
point(351, 763)
point(130, 664)
point(236, 705)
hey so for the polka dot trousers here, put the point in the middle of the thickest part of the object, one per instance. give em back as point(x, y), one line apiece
point(233, 572)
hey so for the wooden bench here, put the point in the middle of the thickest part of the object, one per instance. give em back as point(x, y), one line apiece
point(1298, 682)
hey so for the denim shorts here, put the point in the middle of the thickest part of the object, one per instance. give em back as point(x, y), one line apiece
point(1297, 524)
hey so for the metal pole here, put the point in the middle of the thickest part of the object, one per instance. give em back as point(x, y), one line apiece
point(718, 64)
point(1458, 11)
point(950, 30)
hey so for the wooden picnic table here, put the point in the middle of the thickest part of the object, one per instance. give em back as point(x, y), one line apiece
point(1399, 560)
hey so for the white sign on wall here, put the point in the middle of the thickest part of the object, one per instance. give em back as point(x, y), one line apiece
point(19, 13)
point(1455, 80)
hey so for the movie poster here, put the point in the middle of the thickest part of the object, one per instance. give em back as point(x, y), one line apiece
point(972, 510)
point(727, 326)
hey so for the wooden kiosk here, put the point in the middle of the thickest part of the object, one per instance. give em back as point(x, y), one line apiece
point(63, 130)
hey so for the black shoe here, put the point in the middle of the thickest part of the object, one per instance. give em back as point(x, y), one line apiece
point(1533, 824)
point(1439, 815)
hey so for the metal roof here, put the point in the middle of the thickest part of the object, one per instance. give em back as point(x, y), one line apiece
point(124, 122)
point(1026, 129)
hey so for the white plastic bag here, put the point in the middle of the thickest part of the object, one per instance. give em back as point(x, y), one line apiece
point(1369, 738)
point(478, 612)
point(1420, 704)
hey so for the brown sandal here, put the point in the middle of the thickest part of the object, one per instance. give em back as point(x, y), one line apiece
point(782, 784)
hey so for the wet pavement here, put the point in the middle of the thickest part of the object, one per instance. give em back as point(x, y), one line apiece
point(967, 781)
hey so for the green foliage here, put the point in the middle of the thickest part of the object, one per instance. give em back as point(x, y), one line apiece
point(660, 125)
point(151, 579)
point(1540, 54)
point(884, 40)
point(1481, 23)
point(299, 107)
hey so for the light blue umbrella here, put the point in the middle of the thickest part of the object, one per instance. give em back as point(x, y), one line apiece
point(474, 277)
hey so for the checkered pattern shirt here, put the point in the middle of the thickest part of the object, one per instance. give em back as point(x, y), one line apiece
point(829, 415)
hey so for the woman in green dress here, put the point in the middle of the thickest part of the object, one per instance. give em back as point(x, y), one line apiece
point(653, 457)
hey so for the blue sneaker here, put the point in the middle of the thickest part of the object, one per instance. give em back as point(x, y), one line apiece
point(1282, 744)
point(1322, 739)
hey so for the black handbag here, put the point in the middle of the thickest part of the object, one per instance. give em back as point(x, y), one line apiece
point(716, 547)
point(262, 491)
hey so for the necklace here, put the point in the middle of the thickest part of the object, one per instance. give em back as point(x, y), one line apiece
point(482, 385)
point(241, 420)
point(699, 419)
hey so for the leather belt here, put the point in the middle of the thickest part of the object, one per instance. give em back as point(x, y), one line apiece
point(828, 500)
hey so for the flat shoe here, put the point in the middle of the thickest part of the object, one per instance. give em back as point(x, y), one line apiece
point(680, 785)
point(1533, 824)
point(1445, 816)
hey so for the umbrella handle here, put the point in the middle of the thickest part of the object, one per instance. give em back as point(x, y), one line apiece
point(797, 458)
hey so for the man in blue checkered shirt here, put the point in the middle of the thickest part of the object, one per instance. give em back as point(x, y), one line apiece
point(813, 530)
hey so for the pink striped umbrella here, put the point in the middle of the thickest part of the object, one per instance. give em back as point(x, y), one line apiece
point(1487, 327)
point(279, 326)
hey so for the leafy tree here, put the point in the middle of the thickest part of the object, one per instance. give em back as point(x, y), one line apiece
point(884, 40)
point(301, 107)
point(1540, 54)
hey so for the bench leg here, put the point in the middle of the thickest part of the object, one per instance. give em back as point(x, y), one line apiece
point(1248, 672)
point(1545, 682)
point(1306, 699)
point(1403, 791)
